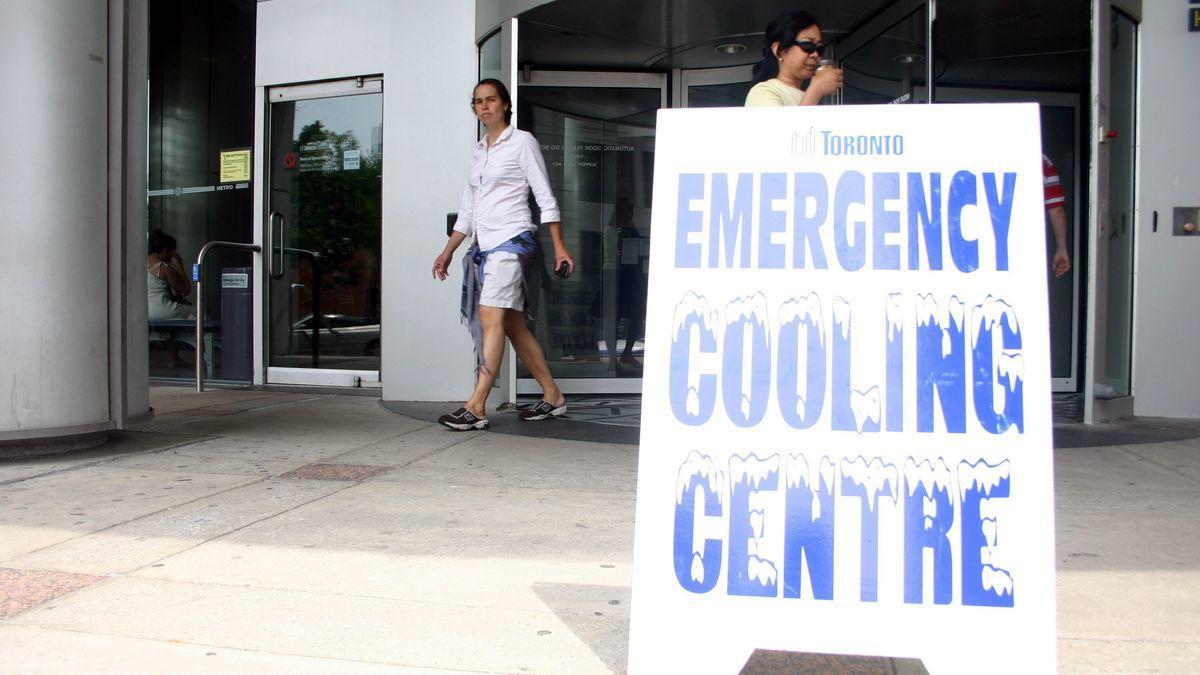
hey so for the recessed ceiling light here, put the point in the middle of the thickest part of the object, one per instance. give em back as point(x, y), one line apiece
point(730, 48)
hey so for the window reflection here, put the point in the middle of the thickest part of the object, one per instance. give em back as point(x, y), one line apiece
point(599, 148)
point(326, 165)
point(890, 66)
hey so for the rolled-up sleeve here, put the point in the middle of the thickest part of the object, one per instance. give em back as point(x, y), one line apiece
point(466, 212)
point(534, 166)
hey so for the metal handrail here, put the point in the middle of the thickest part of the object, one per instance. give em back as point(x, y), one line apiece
point(197, 277)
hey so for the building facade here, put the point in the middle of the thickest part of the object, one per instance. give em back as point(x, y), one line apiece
point(336, 137)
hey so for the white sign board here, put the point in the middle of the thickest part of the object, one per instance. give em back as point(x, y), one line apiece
point(846, 430)
point(235, 280)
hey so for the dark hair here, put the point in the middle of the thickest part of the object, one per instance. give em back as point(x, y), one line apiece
point(782, 29)
point(160, 241)
point(501, 90)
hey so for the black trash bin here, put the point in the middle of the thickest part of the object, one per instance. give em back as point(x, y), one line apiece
point(237, 328)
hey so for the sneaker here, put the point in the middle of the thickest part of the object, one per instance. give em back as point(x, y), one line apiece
point(542, 410)
point(463, 420)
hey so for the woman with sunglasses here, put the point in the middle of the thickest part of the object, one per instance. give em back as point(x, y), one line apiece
point(792, 50)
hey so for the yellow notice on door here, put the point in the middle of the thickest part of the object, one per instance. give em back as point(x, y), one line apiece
point(235, 165)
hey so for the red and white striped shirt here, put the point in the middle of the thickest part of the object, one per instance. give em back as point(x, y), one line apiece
point(1051, 185)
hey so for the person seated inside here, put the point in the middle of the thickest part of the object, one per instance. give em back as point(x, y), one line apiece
point(168, 286)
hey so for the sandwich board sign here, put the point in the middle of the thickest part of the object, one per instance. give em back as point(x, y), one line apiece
point(846, 431)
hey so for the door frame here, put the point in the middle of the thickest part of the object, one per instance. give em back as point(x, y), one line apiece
point(588, 79)
point(1105, 408)
point(1057, 99)
point(264, 373)
point(691, 77)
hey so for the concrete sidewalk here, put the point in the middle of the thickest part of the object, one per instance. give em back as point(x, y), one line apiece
point(251, 531)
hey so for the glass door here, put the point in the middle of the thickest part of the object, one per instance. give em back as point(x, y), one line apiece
point(1060, 120)
point(885, 60)
point(1114, 379)
point(498, 59)
point(715, 87)
point(596, 132)
point(323, 233)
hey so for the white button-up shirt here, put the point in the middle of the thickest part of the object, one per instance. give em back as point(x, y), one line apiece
point(495, 206)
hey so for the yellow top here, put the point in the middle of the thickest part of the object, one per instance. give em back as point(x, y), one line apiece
point(773, 92)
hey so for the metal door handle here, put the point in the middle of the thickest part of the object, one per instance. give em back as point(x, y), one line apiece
point(274, 263)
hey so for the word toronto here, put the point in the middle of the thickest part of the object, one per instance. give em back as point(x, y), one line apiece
point(834, 144)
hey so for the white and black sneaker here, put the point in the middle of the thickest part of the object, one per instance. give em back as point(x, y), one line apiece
point(463, 420)
point(542, 410)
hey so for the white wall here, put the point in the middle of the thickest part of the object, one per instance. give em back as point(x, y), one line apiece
point(54, 218)
point(426, 54)
point(1167, 303)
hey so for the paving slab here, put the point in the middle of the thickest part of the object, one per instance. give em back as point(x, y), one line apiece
point(259, 457)
point(167, 400)
point(1114, 476)
point(1179, 457)
point(1127, 656)
point(406, 447)
point(417, 518)
point(42, 650)
point(54, 508)
point(332, 626)
point(1158, 605)
point(528, 463)
point(1117, 465)
point(25, 589)
point(119, 444)
point(146, 540)
point(509, 583)
point(1133, 539)
point(336, 423)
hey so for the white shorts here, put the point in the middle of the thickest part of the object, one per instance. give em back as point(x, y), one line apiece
point(503, 281)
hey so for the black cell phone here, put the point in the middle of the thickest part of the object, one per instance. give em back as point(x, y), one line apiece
point(563, 270)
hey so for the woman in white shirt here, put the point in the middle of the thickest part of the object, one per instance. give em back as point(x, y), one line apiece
point(792, 50)
point(505, 165)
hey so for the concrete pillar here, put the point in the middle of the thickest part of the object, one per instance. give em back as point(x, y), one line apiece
point(56, 254)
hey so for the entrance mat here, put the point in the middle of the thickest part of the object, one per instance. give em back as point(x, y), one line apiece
point(763, 661)
point(21, 590)
point(617, 419)
point(506, 421)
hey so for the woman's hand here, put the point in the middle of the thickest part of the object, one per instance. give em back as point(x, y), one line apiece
point(441, 266)
point(563, 257)
point(827, 81)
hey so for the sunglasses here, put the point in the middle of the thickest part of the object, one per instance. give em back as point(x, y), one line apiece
point(810, 47)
